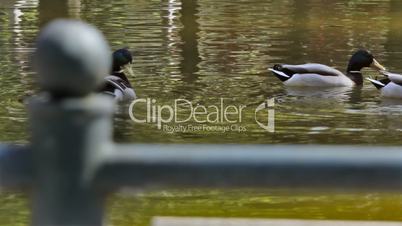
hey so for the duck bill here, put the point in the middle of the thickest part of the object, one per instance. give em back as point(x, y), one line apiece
point(128, 70)
point(377, 66)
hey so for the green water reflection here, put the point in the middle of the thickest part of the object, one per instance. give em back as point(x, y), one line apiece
point(205, 50)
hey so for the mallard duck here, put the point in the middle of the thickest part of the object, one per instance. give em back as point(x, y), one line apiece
point(117, 85)
point(391, 86)
point(322, 75)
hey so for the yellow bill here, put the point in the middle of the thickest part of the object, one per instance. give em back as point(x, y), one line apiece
point(128, 69)
point(377, 66)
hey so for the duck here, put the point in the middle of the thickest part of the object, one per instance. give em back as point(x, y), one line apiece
point(391, 86)
point(117, 84)
point(320, 75)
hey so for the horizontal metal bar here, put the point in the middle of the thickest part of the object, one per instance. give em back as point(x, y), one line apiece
point(312, 167)
point(15, 166)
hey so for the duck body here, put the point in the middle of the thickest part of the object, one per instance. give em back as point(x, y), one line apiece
point(391, 86)
point(320, 75)
point(119, 87)
point(311, 74)
point(117, 84)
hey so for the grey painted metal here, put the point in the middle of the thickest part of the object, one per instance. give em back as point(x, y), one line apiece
point(15, 166)
point(71, 58)
point(68, 136)
point(312, 167)
point(165, 166)
point(69, 133)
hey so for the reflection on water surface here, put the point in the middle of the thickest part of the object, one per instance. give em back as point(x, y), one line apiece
point(205, 50)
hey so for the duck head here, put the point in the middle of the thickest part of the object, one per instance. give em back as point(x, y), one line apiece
point(122, 60)
point(361, 59)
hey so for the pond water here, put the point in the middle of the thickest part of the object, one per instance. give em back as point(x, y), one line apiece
point(207, 51)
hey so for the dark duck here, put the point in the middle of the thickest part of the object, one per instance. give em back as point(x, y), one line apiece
point(317, 75)
point(117, 85)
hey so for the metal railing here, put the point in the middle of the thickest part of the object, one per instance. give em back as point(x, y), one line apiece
point(71, 163)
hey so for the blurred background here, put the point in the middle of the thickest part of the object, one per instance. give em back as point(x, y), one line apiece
point(204, 50)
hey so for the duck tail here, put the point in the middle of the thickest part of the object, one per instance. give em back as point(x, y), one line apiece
point(378, 84)
point(276, 70)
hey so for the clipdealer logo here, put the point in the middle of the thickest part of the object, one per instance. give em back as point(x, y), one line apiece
point(268, 107)
point(181, 113)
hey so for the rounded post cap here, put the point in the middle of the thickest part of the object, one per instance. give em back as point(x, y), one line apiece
point(72, 58)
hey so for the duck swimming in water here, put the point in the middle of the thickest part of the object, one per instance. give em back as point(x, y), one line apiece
point(117, 85)
point(316, 75)
point(391, 86)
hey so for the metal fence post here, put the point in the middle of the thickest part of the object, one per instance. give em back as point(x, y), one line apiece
point(70, 126)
